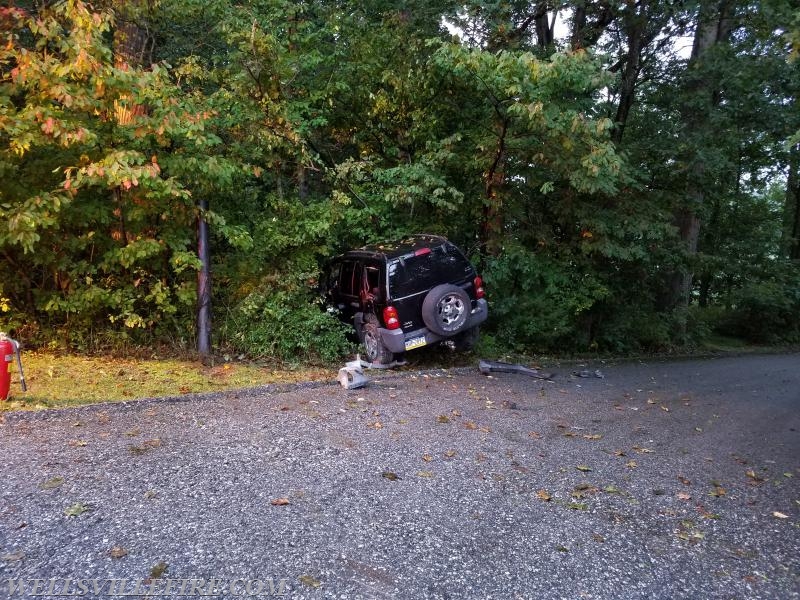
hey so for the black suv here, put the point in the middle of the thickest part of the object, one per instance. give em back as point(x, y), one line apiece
point(407, 294)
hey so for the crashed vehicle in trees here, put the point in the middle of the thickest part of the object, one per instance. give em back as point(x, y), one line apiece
point(407, 294)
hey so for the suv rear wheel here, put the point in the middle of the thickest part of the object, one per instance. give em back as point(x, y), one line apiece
point(446, 309)
point(375, 350)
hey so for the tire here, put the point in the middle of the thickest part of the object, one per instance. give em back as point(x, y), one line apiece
point(376, 352)
point(446, 309)
point(466, 340)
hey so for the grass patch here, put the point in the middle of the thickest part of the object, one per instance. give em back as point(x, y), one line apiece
point(56, 380)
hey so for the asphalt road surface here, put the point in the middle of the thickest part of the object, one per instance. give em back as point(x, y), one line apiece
point(660, 480)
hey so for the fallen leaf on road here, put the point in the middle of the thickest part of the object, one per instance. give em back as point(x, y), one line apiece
point(593, 436)
point(52, 483)
point(279, 502)
point(641, 450)
point(158, 570)
point(684, 480)
point(470, 425)
point(376, 425)
point(310, 581)
point(390, 476)
point(718, 492)
point(442, 419)
point(117, 552)
point(544, 495)
point(684, 496)
point(664, 408)
point(424, 473)
point(631, 464)
point(611, 489)
point(76, 509)
point(582, 489)
point(535, 435)
point(449, 453)
point(756, 478)
point(780, 515)
point(583, 468)
point(598, 538)
point(427, 457)
point(13, 556)
point(78, 443)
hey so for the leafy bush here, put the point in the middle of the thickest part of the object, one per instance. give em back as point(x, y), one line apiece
point(287, 325)
point(537, 302)
point(766, 312)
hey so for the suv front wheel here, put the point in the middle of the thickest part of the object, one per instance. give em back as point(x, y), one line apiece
point(373, 344)
point(446, 309)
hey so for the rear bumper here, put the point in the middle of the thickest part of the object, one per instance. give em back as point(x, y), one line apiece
point(395, 339)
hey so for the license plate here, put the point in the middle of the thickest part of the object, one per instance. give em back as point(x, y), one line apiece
point(415, 342)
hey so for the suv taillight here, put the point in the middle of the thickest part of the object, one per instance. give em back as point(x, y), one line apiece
point(391, 318)
point(479, 292)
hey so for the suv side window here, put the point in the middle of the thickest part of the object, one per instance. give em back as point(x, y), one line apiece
point(348, 283)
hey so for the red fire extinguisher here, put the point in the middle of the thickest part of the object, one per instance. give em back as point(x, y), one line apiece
point(8, 350)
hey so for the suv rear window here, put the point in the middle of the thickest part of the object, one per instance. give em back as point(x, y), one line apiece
point(415, 273)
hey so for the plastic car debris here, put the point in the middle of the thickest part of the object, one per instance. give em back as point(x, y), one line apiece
point(352, 378)
point(492, 366)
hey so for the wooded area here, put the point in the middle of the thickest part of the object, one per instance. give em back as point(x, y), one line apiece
point(626, 174)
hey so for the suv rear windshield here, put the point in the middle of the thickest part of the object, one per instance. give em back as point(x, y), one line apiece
point(420, 272)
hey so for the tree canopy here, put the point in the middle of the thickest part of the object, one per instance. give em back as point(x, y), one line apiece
point(626, 174)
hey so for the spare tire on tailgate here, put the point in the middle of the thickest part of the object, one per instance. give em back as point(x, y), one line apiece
point(446, 309)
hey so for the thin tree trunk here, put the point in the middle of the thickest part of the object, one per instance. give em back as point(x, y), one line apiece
point(635, 27)
point(203, 284)
point(491, 230)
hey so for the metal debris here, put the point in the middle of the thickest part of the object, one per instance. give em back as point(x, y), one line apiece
point(598, 374)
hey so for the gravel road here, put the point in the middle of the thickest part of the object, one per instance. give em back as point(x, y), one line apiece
point(660, 480)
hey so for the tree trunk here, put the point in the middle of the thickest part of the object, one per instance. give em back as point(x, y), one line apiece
point(635, 28)
point(585, 32)
point(203, 284)
point(491, 230)
point(701, 97)
point(545, 27)
point(790, 240)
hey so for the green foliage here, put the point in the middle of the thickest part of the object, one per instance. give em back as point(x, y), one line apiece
point(312, 127)
point(766, 311)
point(288, 324)
point(538, 302)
